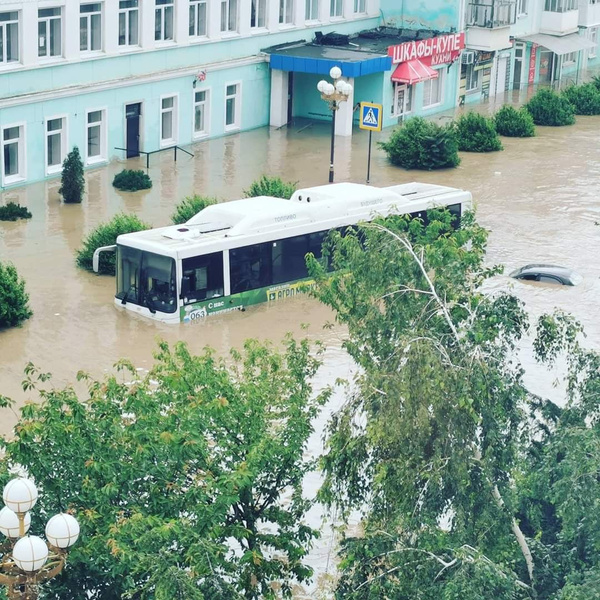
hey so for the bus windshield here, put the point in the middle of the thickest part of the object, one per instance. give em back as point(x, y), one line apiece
point(146, 279)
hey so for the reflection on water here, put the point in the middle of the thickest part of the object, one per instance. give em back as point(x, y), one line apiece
point(538, 198)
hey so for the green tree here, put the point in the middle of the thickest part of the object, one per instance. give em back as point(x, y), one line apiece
point(190, 207)
point(187, 482)
point(72, 181)
point(420, 144)
point(477, 133)
point(270, 186)
point(14, 300)
point(435, 442)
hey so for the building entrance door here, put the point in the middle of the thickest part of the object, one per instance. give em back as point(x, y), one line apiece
point(133, 112)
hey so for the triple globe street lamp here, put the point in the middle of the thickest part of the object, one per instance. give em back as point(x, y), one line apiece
point(334, 93)
point(28, 560)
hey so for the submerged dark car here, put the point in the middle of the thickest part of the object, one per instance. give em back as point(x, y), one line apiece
point(548, 274)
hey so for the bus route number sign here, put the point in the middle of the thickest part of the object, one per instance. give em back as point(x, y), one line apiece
point(370, 116)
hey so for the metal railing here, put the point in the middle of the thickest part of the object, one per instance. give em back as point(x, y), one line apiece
point(491, 13)
point(174, 148)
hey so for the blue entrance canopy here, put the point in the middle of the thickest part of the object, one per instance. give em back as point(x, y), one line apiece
point(313, 58)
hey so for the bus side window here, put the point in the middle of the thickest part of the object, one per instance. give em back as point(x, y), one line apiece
point(205, 276)
point(251, 267)
point(455, 211)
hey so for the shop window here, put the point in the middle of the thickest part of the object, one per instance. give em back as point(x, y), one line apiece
point(311, 12)
point(198, 16)
point(163, 21)
point(432, 90)
point(129, 19)
point(13, 154)
point(472, 78)
point(229, 15)
point(90, 27)
point(402, 101)
point(9, 37)
point(50, 32)
point(258, 14)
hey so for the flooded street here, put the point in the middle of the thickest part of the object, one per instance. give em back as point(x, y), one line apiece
point(539, 198)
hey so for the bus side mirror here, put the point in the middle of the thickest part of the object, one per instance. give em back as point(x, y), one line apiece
point(185, 286)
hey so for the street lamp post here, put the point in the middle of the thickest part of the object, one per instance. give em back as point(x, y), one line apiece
point(334, 93)
point(28, 560)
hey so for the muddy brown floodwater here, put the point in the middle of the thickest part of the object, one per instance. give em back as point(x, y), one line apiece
point(540, 199)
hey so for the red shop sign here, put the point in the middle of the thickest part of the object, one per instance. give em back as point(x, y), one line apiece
point(532, 57)
point(434, 51)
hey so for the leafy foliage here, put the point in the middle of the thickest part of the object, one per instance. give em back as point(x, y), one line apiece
point(596, 81)
point(72, 181)
point(420, 144)
point(477, 133)
point(549, 108)
point(187, 482)
point(514, 123)
point(471, 486)
point(12, 212)
point(191, 206)
point(14, 300)
point(585, 98)
point(129, 180)
point(270, 186)
point(105, 235)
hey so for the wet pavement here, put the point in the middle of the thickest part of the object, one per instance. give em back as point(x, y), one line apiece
point(539, 198)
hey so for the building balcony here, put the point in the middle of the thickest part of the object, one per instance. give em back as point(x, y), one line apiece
point(560, 17)
point(589, 14)
point(488, 40)
point(491, 14)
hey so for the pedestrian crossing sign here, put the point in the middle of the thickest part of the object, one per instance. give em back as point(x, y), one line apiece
point(370, 116)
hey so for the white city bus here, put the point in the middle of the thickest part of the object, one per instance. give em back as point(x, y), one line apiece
point(235, 254)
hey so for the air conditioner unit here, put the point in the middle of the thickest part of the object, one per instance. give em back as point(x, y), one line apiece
point(468, 57)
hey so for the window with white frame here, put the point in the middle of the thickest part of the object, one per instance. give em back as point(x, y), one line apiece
point(232, 107)
point(50, 32)
point(9, 37)
point(168, 120)
point(258, 14)
point(560, 5)
point(522, 8)
point(198, 16)
point(360, 7)
point(163, 20)
point(311, 10)
point(286, 12)
point(402, 102)
point(129, 23)
point(56, 143)
point(13, 154)
point(472, 78)
point(229, 15)
point(432, 90)
point(90, 27)
point(336, 8)
point(201, 116)
point(95, 136)
point(594, 39)
point(569, 58)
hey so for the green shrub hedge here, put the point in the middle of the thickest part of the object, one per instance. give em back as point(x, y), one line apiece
point(270, 186)
point(514, 123)
point(584, 98)
point(14, 300)
point(132, 181)
point(548, 108)
point(191, 206)
point(105, 235)
point(420, 144)
point(12, 211)
point(477, 133)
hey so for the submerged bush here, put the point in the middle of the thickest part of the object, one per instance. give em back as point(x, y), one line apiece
point(191, 206)
point(584, 98)
point(12, 211)
point(14, 300)
point(477, 133)
point(132, 181)
point(514, 123)
point(270, 186)
point(105, 235)
point(548, 108)
point(420, 144)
